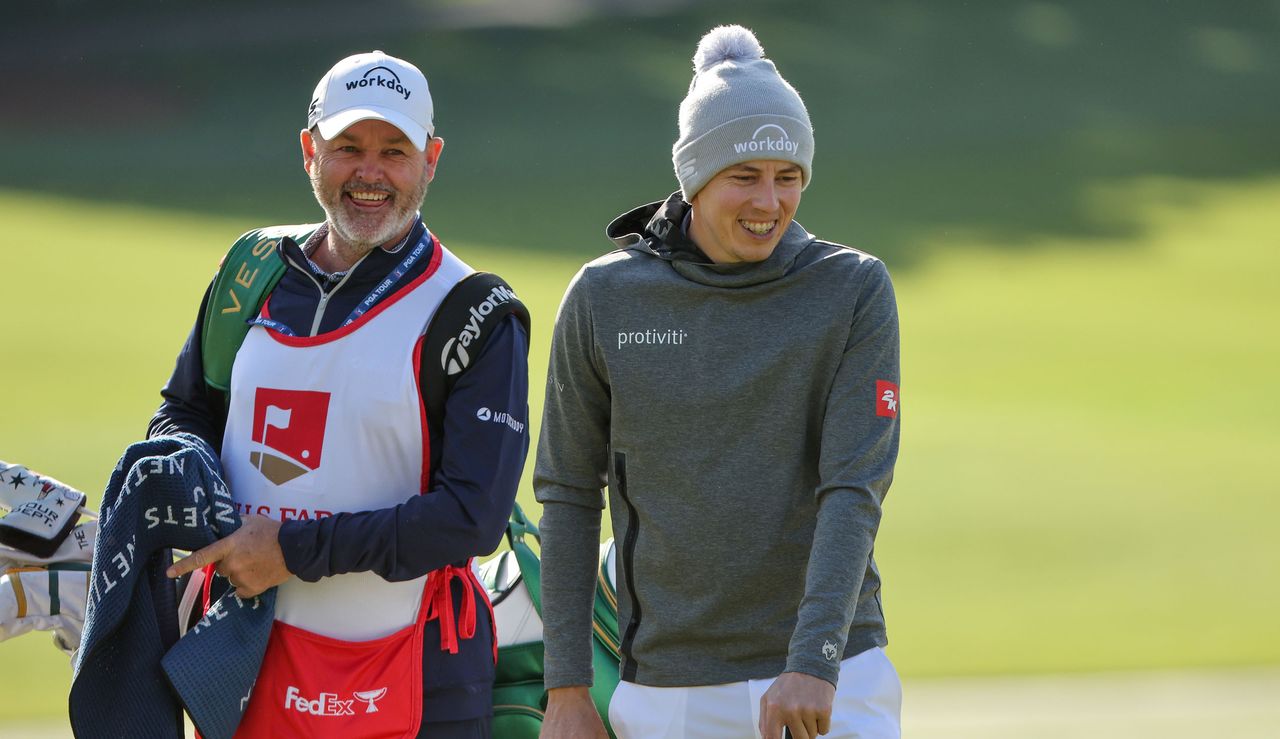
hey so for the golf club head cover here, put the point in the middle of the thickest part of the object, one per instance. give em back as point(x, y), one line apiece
point(77, 547)
point(42, 511)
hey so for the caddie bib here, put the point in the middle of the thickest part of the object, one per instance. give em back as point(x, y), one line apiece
point(328, 424)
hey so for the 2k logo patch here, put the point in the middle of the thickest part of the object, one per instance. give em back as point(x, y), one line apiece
point(289, 425)
point(887, 399)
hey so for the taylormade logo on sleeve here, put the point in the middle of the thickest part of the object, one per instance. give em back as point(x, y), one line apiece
point(454, 357)
point(379, 79)
point(769, 138)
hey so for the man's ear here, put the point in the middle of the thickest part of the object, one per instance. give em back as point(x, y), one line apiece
point(308, 150)
point(435, 145)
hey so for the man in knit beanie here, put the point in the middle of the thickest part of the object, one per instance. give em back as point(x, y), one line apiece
point(733, 380)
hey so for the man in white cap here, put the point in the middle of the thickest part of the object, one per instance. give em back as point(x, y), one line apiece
point(372, 451)
point(733, 380)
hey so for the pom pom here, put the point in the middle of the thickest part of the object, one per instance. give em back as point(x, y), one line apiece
point(726, 43)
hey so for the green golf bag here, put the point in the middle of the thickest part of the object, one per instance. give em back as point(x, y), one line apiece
point(514, 582)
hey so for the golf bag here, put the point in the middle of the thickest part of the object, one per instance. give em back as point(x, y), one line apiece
point(513, 581)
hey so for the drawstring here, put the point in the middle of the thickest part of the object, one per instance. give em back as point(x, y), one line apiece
point(440, 605)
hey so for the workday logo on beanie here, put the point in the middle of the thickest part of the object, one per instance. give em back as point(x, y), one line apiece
point(738, 109)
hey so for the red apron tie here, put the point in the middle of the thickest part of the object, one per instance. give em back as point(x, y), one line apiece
point(440, 605)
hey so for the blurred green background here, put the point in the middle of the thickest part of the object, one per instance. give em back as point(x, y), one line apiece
point(1079, 202)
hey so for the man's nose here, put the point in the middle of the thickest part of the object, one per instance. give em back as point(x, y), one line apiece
point(369, 169)
point(765, 196)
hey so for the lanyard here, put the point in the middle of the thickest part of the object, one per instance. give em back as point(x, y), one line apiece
point(364, 305)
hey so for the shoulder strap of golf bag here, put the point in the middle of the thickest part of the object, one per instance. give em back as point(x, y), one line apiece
point(458, 331)
point(246, 276)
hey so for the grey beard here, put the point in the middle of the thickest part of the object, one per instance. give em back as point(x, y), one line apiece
point(398, 220)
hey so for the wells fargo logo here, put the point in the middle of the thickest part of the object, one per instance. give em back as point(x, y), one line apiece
point(289, 426)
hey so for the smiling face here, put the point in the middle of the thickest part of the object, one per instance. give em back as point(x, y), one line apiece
point(370, 180)
point(740, 215)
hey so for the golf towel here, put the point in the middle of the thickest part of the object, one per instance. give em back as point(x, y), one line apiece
point(165, 492)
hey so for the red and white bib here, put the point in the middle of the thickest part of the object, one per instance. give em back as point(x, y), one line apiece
point(321, 425)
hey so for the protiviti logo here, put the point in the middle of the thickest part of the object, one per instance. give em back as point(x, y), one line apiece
point(768, 139)
point(378, 80)
point(651, 336)
point(289, 423)
point(454, 357)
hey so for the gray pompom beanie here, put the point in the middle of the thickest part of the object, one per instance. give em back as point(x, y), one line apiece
point(738, 109)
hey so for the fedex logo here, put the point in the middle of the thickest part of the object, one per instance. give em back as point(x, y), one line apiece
point(328, 704)
point(325, 705)
point(289, 426)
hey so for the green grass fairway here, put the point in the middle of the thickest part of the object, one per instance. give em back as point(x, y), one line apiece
point(1084, 482)
point(1089, 433)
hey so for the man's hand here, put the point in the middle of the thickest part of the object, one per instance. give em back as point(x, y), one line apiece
point(250, 558)
point(799, 702)
point(571, 715)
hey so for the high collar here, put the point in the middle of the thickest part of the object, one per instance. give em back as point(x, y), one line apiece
point(657, 229)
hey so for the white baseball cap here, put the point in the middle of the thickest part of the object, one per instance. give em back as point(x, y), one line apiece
point(373, 86)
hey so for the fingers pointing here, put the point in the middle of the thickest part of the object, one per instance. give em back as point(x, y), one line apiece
point(194, 561)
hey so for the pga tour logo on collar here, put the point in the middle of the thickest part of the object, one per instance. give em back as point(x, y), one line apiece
point(288, 426)
point(379, 80)
point(769, 138)
point(328, 704)
point(887, 398)
point(454, 357)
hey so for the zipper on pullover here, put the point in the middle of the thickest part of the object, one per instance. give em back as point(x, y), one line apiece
point(628, 558)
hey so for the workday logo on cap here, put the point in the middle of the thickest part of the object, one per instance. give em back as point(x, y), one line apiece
point(373, 86)
point(374, 78)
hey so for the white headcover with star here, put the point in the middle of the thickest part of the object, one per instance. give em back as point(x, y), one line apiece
point(42, 511)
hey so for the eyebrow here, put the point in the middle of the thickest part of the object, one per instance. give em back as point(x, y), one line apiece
point(789, 169)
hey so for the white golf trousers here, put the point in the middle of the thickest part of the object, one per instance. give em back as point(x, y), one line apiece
point(868, 705)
